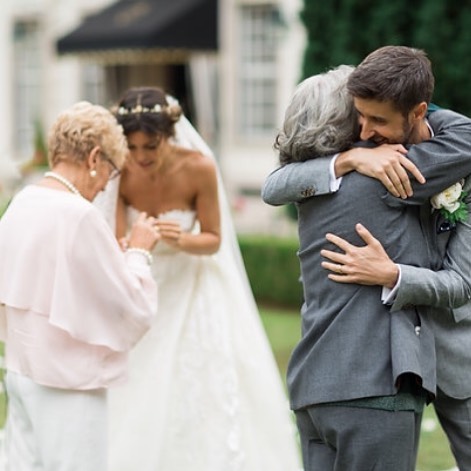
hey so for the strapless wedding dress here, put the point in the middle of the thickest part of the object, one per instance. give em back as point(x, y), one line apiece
point(204, 392)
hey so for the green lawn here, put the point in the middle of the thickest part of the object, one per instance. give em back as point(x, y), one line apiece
point(283, 330)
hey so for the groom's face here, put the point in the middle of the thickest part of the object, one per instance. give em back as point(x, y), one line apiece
point(382, 123)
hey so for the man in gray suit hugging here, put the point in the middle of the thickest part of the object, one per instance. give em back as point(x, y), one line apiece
point(360, 374)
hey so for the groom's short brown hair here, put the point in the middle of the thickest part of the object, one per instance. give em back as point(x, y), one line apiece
point(398, 74)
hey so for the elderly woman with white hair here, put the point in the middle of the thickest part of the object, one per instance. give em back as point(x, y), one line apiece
point(73, 303)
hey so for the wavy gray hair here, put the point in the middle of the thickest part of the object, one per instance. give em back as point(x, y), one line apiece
point(320, 119)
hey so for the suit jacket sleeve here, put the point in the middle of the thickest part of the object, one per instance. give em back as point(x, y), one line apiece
point(449, 287)
point(443, 160)
point(297, 181)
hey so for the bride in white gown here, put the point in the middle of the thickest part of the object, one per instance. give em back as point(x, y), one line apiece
point(204, 392)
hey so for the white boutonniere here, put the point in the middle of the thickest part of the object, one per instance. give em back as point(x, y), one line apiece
point(450, 203)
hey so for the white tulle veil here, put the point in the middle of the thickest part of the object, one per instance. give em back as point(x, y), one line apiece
point(187, 136)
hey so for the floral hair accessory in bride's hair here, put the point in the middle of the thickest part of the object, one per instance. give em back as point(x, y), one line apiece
point(451, 203)
point(140, 109)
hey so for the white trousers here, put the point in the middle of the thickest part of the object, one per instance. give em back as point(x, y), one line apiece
point(50, 429)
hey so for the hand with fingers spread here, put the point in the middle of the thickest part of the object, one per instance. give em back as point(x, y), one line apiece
point(387, 163)
point(366, 265)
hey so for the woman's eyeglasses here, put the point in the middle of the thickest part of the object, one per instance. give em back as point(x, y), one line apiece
point(115, 171)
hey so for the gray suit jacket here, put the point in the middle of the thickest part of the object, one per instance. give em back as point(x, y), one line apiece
point(448, 291)
point(352, 346)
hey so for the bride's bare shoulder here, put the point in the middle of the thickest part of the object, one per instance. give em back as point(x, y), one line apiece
point(195, 161)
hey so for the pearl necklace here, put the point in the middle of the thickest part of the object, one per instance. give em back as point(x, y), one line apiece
point(64, 181)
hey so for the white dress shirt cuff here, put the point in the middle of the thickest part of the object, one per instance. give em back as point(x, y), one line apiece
point(388, 295)
point(334, 182)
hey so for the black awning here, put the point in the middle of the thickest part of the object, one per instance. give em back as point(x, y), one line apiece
point(146, 24)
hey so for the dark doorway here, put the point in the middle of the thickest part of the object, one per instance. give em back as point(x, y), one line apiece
point(173, 78)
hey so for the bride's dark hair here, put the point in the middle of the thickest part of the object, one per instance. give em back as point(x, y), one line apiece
point(146, 109)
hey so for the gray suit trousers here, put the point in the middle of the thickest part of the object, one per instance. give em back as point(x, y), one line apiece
point(455, 418)
point(337, 438)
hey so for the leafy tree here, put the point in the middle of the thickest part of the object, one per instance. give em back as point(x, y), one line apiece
point(345, 31)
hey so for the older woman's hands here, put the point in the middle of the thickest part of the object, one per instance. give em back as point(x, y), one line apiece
point(144, 234)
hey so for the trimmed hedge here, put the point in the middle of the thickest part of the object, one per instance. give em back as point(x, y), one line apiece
point(273, 269)
point(441, 27)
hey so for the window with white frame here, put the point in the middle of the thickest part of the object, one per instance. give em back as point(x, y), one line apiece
point(257, 69)
point(27, 77)
point(93, 83)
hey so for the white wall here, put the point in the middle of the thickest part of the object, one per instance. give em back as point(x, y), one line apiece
point(5, 84)
point(60, 76)
point(244, 164)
